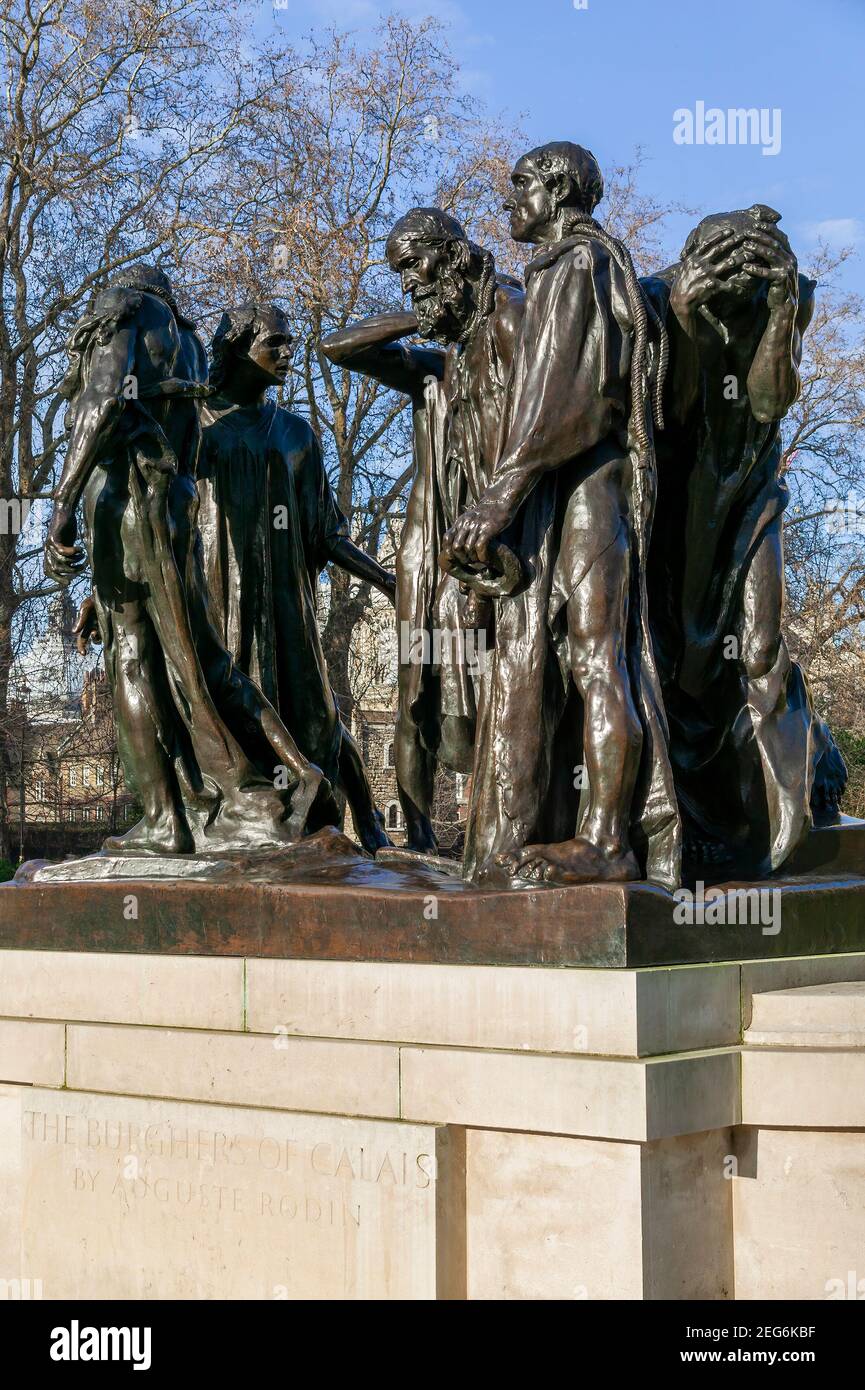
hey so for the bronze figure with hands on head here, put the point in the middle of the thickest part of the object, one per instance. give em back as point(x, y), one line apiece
point(752, 764)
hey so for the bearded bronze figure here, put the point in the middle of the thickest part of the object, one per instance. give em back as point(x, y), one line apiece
point(573, 782)
point(456, 389)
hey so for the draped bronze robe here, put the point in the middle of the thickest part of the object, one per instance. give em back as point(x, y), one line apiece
point(267, 518)
point(744, 753)
point(566, 437)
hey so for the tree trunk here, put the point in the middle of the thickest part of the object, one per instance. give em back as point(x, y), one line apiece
point(8, 746)
point(344, 614)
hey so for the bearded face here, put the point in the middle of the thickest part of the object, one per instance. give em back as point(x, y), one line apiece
point(443, 311)
point(439, 290)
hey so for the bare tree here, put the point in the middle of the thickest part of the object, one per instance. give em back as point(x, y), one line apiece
point(825, 524)
point(348, 137)
point(112, 122)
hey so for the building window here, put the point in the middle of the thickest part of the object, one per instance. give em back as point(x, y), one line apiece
point(100, 812)
point(85, 776)
point(100, 776)
point(394, 818)
point(73, 777)
point(388, 755)
point(39, 791)
point(86, 813)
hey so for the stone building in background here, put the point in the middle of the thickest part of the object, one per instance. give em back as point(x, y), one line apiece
point(66, 791)
point(65, 787)
point(372, 718)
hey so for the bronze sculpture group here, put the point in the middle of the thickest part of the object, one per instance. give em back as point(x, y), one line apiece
point(597, 497)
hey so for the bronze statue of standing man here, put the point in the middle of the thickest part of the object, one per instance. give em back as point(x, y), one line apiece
point(456, 386)
point(572, 781)
point(270, 522)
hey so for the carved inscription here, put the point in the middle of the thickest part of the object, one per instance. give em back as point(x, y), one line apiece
point(136, 1163)
point(136, 1197)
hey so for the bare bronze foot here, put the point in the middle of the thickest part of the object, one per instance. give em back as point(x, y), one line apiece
point(570, 861)
point(167, 835)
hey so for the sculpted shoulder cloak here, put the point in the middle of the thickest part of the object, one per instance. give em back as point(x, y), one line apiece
point(567, 456)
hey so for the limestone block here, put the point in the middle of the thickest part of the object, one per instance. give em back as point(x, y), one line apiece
point(234, 1068)
point(111, 987)
point(117, 1197)
point(626, 1013)
point(586, 1219)
point(31, 1052)
point(799, 1215)
point(595, 1097)
point(826, 1015)
point(794, 1088)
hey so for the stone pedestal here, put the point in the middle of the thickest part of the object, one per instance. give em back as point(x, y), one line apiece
point(355, 909)
point(799, 1201)
point(230, 1127)
point(117, 1197)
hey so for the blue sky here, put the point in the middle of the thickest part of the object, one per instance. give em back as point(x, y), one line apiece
point(611, 76)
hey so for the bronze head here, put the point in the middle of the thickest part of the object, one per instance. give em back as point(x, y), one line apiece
point(254, 339)
point(742, 286)
point(551, 182)
point(442, 270)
